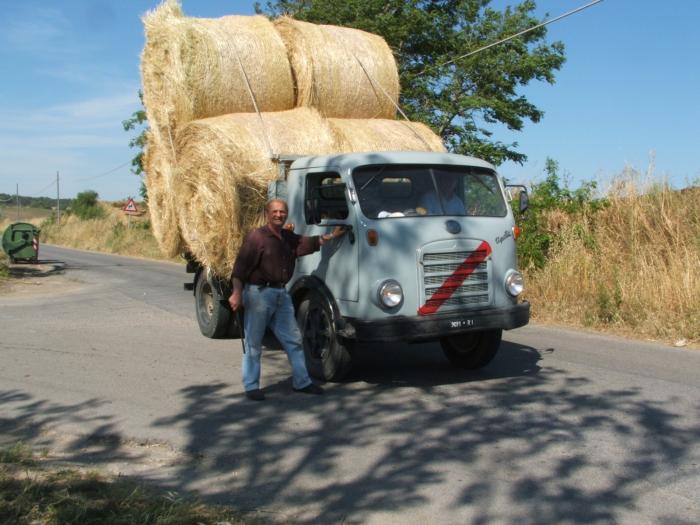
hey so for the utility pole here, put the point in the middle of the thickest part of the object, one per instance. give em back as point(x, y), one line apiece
point(58, 202)
point(18, 204)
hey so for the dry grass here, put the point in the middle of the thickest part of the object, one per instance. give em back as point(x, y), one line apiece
point(631, 268)
point(111, 234)
point(34, 490)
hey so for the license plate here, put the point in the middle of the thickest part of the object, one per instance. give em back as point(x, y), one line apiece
point(460, 323)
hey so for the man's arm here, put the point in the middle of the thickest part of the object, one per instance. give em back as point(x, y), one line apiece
point(235, 299)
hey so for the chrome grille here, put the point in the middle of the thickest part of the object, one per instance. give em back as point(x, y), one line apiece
point(472, 291)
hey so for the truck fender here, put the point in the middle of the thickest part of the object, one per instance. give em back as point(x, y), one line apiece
point(312, 283)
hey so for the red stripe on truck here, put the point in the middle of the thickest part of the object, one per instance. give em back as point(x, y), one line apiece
point(455, 280)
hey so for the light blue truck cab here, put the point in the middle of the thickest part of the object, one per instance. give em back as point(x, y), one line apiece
point(430, 255)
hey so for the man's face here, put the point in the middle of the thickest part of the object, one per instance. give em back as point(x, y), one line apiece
point(277, 214)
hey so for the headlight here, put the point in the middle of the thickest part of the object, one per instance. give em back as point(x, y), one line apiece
point(515, 283)
point(390, 294)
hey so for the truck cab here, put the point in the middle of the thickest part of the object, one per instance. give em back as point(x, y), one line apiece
point(430, 255)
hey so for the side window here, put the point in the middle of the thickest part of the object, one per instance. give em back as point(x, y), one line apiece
point(325, 198)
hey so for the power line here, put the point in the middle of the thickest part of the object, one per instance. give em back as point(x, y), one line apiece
point(42, 189)
point(105, 173)
point(484, 48)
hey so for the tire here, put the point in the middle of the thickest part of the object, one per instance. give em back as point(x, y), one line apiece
point(471, 350)
point(214, 316)
point(326, 357)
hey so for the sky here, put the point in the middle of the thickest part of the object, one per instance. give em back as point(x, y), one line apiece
point(627, 95)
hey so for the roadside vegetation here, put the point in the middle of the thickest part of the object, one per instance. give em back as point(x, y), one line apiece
point(104, 227)
point(35, 490)
point(623, 260)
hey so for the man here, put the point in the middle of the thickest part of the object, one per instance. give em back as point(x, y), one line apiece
point(264, 265)
point(447, 202)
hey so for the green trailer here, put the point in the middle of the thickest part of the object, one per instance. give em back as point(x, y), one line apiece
point(21, 242)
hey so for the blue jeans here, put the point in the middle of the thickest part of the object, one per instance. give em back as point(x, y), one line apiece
point(271, 307)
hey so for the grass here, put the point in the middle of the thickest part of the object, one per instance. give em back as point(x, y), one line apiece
point(630, 268)
point(31, 492)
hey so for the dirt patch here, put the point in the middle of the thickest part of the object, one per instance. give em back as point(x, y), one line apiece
point(44, 277)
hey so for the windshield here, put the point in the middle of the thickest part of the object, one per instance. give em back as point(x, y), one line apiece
point(391, 191)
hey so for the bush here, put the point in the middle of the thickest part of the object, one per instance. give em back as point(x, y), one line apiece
point(546, 197)
point(86, 206)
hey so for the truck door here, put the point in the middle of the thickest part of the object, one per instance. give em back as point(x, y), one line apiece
point(325, 206)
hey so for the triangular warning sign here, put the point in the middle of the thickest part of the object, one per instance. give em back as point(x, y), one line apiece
point(130, 206)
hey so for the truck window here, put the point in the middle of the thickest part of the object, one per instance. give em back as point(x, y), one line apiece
point(325, 198)
point(395, 191)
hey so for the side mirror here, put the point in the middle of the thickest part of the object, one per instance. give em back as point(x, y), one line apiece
point(523, 202)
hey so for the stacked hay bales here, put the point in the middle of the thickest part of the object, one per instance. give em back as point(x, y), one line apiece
point(161, 196)
point(383, 135)
point(320, 90)
point(343, 72)
point(196, 68)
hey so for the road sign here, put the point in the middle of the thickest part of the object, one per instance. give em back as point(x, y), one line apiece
point(130, 207)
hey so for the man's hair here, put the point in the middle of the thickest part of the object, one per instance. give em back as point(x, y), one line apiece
point(269, 203)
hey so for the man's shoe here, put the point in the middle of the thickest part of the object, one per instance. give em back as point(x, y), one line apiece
point(310, 389)
point(255, 395)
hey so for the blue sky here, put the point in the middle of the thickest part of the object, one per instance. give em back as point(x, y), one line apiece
point(627, 93)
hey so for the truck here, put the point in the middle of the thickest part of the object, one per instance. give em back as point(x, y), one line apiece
point(402, 273)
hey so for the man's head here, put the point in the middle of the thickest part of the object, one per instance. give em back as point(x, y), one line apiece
point(276, 211)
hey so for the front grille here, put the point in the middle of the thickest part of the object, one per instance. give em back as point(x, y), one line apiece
point(467, 287)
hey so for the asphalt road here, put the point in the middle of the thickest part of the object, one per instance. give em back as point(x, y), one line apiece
point(104, 356)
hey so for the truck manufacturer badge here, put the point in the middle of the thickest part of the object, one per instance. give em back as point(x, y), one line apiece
point(503, 237)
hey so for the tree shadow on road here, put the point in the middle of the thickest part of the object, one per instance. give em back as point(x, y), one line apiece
point(395, 433)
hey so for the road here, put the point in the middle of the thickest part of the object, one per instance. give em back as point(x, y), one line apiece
point(104, 357)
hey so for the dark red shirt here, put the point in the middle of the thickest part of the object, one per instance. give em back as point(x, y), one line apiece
point(265, 258)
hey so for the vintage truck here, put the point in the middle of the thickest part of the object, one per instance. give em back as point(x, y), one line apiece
point(404, 272)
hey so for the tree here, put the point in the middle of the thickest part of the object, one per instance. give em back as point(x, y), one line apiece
point(462, 99)
point(137, 120)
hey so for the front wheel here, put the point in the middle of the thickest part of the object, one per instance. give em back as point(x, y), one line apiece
point(326, 357)
point(214, 316)
point(471, 350)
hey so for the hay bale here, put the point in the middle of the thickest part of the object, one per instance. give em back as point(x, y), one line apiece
point(354, 135)
point(157, 162)
point(224, 168)
point(327, 73)
point(190, 67)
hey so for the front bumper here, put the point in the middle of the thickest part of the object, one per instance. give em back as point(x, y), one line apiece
point(432, 327)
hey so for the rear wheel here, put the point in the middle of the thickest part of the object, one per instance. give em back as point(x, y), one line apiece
point(471, 350)
point(214, 316)
point(326, 357)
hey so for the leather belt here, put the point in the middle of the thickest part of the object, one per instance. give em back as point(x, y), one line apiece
point(269, 285)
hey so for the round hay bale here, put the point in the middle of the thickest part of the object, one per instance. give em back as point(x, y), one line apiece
point(355, 135)
point(190, 67)
point(224, 167)
point(157, 167)
point(328, 75)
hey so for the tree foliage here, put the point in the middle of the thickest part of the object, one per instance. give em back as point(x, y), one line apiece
point(462, 99)
point(137, 121)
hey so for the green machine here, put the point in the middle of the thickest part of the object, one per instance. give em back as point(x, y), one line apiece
point(21, 242)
